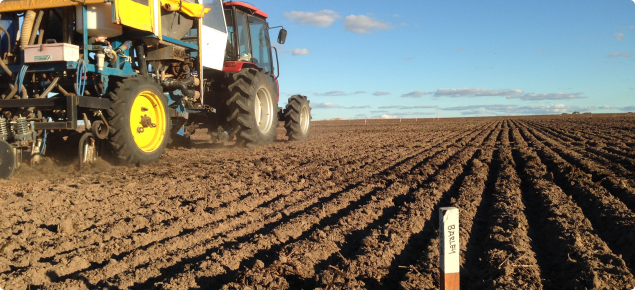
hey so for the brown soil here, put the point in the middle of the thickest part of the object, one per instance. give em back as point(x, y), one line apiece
point(546, 203)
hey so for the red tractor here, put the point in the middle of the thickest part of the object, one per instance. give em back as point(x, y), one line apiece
point(246, 93)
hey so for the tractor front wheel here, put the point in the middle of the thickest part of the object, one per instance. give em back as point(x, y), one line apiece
point(297, 118)
point(139, 121)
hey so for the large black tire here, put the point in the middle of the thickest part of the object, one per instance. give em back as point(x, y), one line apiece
point(133, 97)
point(297, 118)
point(252, 108)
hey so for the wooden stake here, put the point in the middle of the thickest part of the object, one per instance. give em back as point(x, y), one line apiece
point(449, 248)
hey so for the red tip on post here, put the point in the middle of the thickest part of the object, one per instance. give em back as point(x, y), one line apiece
point(449, 249)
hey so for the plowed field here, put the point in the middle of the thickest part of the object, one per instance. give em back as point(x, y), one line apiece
point(546, 203)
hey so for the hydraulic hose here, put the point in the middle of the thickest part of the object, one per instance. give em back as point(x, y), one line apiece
point(176, 85)
point(80, 78)
point(50, 88)
point(46, 91)
point(27, 27)
point(19, 79)
point(113, 56)
point(5, 68)
point(14, 90)
point(141, 58)
point(63, 91)
point(42, 27)
point(36, 27)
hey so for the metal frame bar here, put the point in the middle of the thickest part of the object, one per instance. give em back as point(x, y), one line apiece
point(181, 43)
point(68, 103)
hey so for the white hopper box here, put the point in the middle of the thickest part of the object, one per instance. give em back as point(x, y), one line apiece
point(51, 52)
point(99, 20)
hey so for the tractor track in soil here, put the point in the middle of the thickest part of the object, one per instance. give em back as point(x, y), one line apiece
point(546, 203)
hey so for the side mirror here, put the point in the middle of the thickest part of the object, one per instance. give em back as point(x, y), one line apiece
point(282, 36)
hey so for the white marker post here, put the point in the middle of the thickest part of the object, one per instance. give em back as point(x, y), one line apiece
point(449, 247)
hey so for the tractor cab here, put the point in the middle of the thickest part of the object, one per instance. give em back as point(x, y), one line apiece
point(248, 41)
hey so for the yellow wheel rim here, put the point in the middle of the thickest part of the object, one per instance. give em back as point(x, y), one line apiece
point(147, 121)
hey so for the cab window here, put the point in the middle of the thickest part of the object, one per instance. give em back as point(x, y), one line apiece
point(261, 46)
point(244, 45)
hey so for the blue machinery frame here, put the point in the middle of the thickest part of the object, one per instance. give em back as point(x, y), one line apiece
point(121, 68)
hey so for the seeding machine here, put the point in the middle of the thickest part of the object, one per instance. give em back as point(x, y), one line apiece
point(124, 78)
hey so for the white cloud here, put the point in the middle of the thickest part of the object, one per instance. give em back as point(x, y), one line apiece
point(519, 110)
point(322, 18)
point(300, 51)
point(338, 93)
point(363, 24)
point(475, 92)
point(488, 107)
point(606, 107)
point(418, 107)
point(381, 93)
point(325, 106)
point(474, 112)
point(619, 54)
point(415, 94)
point(328, 105)
point(509, 94)
point(409, 107)
point(619, 36)
point(332, 94)
point(357, 107)
point(548, 109)
point(413, 113)
point(552, 96)
point(395, 115)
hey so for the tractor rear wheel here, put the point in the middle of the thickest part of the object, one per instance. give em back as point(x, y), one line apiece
point(253, 108)
point(297, 118)
point(139, 121)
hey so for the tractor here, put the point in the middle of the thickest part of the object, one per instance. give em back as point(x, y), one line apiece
point(122, 79)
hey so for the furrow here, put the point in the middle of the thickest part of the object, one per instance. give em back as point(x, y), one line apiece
point(618, 187)
point(261, 230)
point(568, 249)
point(387, 248)
point(503, 256)
point(304, 255)
point(611, 218)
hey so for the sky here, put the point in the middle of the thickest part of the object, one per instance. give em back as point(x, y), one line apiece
point(410, 59)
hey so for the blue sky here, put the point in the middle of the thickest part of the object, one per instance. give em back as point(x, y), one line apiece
point(371, 59)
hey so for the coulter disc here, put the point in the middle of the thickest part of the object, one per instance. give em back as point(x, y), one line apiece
point(7, 160)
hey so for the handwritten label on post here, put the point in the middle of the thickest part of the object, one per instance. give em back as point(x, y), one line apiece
point(449, 247)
